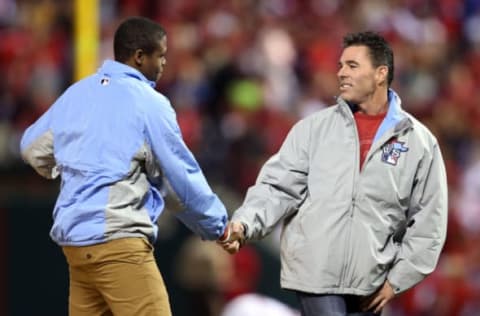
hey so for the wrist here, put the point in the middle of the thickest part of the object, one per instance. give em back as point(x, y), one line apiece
point(245, 230)
point(226, 234)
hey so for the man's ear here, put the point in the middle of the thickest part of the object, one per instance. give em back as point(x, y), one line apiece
point(381, 74)
point(138, 57)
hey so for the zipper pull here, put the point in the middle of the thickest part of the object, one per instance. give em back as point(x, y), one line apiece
point(353, 206)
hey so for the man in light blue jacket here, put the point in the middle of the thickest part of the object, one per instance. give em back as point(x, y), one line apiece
point(360, 190)
point(115, 142)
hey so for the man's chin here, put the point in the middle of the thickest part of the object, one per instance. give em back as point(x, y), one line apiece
point(345, 96)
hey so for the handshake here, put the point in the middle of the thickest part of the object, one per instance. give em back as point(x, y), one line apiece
point(233, 237)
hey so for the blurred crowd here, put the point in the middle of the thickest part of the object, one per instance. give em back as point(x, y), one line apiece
point(240, 73)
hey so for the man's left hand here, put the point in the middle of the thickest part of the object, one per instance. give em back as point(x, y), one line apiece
point(378, 300)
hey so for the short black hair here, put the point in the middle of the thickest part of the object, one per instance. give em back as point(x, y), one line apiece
point(380, 51)
point(136, 33)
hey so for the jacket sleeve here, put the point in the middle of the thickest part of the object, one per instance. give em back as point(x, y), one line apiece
point(36, 146)
point(423, 241)
point(281, 186)
point(201, 210)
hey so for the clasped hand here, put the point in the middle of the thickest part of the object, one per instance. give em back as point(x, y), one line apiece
point(233, 238)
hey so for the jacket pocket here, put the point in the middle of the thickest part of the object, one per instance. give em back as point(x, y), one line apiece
point(373, 252)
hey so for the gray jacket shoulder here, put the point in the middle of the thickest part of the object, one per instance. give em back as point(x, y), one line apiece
point(317, 118)
point(425, 136)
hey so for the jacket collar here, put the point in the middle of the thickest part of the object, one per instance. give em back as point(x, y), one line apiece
point(396, 118)
point(111, 68)
point(394, 113)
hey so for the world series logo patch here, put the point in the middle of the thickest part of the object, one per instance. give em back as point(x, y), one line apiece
point(391, 151)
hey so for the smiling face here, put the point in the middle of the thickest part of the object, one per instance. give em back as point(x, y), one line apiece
point(360, 81)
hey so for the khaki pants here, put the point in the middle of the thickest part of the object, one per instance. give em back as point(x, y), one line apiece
point(119, 277)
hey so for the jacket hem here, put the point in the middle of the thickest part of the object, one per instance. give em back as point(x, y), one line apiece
point(91, 242)
point(296, 286)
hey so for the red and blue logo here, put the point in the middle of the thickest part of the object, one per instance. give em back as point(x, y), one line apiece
point(392, 150)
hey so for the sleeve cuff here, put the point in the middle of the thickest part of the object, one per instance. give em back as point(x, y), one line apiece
point(403, 276)
point(246, 225)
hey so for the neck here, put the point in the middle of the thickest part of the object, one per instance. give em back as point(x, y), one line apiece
point(130, 62)
point(376, 104)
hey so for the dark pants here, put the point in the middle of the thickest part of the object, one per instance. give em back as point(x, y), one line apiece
point(330, 305)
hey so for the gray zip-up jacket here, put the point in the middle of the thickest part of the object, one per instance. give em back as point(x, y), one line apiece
point(347, 230)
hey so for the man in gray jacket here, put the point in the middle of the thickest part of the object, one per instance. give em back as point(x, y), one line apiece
point(360, 190)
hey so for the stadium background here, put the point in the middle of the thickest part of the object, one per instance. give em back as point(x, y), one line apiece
point(239, 74)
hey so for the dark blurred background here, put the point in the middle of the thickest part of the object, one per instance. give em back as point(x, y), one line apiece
point(239, 74)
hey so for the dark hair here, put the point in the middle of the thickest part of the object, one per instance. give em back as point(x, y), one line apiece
point(136, 33)
point(380, 51)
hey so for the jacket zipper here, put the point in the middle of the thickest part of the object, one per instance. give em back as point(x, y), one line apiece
point(356, 170)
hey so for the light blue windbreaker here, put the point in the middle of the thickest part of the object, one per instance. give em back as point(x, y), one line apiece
point(116, 143)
